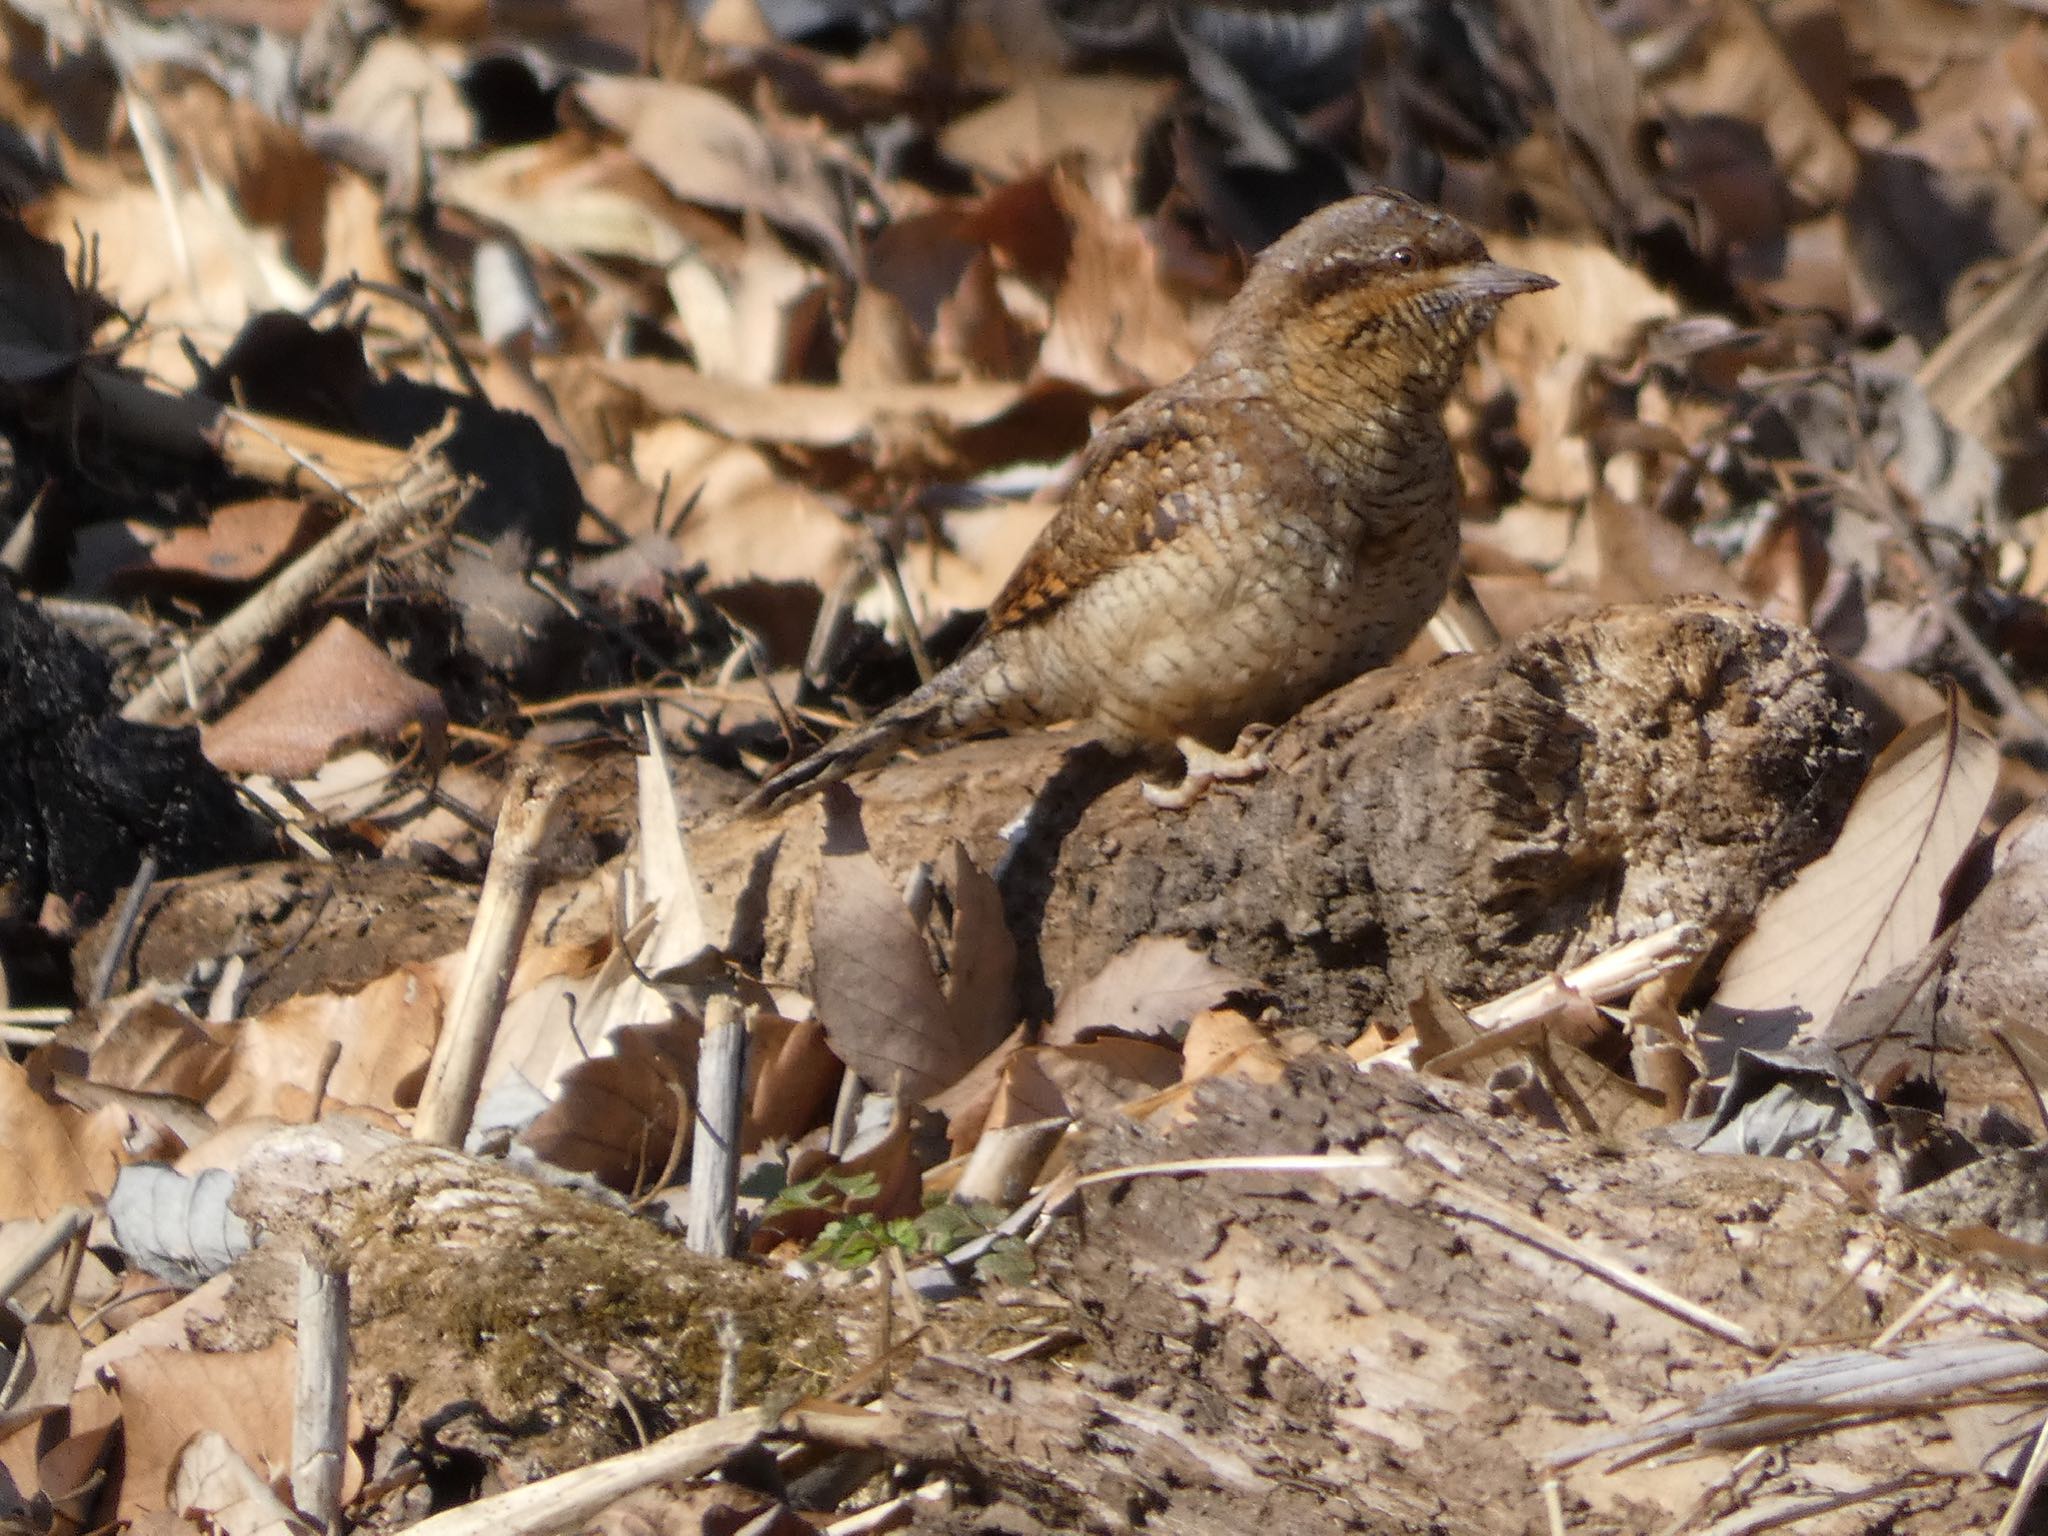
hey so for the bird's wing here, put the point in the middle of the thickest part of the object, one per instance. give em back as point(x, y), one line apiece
point(1151, 475)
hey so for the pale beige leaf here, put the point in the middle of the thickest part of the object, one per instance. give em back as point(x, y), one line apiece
point(1746, 73)
point(215, 1481)
point(739, 320)
point(749, 520)
point(385, 1031)
point(1547, 344)
point(402, 99)
point(557, 207)
point(1115, 326)
point(1869, 904)
point(670, 886)
point(560, 1012)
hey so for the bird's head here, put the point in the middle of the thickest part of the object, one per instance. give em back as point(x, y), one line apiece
point(1380, 288)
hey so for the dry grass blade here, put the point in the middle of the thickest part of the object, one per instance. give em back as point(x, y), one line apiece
point(1869, 904)
point(1804, 1395)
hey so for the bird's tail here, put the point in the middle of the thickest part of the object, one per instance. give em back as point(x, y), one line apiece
point(976, 693)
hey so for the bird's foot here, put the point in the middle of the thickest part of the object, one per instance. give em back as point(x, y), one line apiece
point(1206, 766)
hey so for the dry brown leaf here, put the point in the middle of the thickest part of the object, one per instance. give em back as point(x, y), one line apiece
point(1612, 1104)
point(64, 1284)
point(1745, 74)
point(41, 1373)
point(882, 342)
point(792, 1074)
point(1440, 1025)
point(1114, 326)
point(45, 1162)
point(1225, 1040)
point(161, 1522)
point(919, 258)
point(810, 415)
point(706, 150)
point(1221, 1042)
point(1627, 553)
point(880, 1002)
point(402, 100)
point(1595, 90)
point(1046, 119)
point(750, 320)
point(748, 521)
point(966, 1104)
point(884, 1011)
point(341, 690)
point(353, 244)
point(671, 1509)
point(386, 1033)
point(980, 954)
point(1152, 988)
point(974, 334)
point(734, 24)
point(1869, 904)
point(274, 177)
point(1088, 1082)
point(168, 1395)
point(143, 1042)
point(242, 540)
point(213, 1480)
point(619, 1117)
point(71, 1471)
point(557, 990)
point(199, 282)
point(1024, 1093)
point(1547, 342)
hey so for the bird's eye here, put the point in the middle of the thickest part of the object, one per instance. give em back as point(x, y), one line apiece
point(1402, 256)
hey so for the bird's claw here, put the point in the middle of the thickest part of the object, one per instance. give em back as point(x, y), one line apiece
point(1207, 766)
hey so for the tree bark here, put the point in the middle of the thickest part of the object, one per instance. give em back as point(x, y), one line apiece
point(1480, 821)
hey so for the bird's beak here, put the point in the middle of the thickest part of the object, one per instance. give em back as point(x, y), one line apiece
point(1491, 280)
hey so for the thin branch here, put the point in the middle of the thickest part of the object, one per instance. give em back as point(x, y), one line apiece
point(281, 600)
point(455, 1078)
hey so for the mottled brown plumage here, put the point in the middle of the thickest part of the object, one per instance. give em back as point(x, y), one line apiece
point(1278, 520)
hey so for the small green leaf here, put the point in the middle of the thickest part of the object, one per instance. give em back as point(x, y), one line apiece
point(1007, 1262)
point(856, 1186)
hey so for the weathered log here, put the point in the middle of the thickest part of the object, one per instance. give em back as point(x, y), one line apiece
point(1479, 821)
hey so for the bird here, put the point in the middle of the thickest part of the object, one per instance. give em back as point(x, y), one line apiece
point(1278, 520)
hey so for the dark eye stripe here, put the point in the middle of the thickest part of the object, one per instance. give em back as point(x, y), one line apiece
point(1319, 282)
